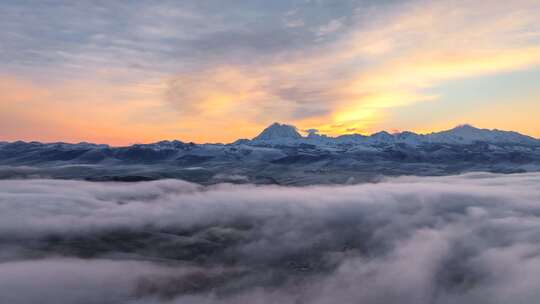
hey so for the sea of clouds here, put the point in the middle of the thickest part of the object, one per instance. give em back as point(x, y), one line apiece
point(473, 238)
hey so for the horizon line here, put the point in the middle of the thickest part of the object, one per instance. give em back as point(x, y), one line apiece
point(281, 124)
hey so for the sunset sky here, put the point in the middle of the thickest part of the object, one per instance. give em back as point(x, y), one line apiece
point(123, 72)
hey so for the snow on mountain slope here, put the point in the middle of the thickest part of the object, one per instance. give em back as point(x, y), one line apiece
point(467, 134)
point(280, 155)
point(278, 132)
point(281, 134)
point(281, 141)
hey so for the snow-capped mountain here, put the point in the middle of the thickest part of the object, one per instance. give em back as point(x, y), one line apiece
point(466, 134)
point(279, 132)
point(280, 154)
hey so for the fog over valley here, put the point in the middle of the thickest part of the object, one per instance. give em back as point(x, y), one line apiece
point(471, 238)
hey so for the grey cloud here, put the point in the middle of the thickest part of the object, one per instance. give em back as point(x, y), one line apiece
point(459, 239)
point(330, 27)
point(71, 280)
point(165, 36)
point(127, 42)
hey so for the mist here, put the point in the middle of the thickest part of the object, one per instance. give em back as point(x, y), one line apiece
point(472, 238)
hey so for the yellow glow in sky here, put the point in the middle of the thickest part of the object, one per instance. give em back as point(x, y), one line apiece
point(360, 75)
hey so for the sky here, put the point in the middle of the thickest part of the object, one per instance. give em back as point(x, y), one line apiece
point(124, 72)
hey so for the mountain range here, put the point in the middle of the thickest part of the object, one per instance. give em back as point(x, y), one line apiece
point(280, 155)
point(463, 134)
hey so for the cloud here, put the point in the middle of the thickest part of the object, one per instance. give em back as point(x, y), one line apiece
point(75, 280)
point(458, 239)
point(383, 59)
point(330, 27)
point(294, 23)
point(93, 110)
point(313, 64)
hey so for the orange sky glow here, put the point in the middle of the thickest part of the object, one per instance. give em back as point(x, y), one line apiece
point(407, 69)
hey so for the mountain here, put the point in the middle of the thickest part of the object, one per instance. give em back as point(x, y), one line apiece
point(466, 134)
point(281, 155)
point(282, 134)
point(278, 132)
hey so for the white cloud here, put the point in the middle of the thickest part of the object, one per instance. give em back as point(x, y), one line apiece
point(331, 27)
point(460, 239)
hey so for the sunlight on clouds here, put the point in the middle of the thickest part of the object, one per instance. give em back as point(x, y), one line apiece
point(371, 108)
point(379, 59)
point(216, 91)
point(87, 110)
point(426, 69)
point(428, 45)
point(385, 63)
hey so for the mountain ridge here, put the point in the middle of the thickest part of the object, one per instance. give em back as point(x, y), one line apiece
point(280, 155)
point(461, 134)
point(277, 131)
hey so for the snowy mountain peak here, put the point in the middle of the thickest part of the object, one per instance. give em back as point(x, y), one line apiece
point(382, 137)
point(466, 134)
point(283, 134)
point(465, 127)
point(466, 130)
point(278, 131)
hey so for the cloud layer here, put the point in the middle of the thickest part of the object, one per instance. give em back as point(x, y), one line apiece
point(463, 239)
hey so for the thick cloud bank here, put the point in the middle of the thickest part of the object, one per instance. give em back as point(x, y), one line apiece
point(473, 238)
